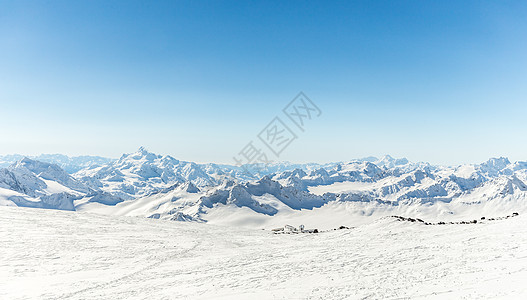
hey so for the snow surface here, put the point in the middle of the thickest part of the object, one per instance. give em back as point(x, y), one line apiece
point(151, 226)
point(341, 187)
point(52, 254)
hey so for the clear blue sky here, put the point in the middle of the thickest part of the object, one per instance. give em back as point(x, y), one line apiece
point(428, 80)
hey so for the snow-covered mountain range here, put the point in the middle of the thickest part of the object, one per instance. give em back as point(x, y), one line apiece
point(67, 163)
point(156, 186)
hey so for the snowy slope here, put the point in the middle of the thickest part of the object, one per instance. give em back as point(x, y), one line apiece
point(40, 185)
point(86, 256)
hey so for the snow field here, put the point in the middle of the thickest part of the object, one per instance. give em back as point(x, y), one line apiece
point(49, 254)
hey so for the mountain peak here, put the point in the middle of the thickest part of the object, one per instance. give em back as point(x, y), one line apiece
point(387, 157)
point(189, 187)
point(31, 164)
point(142, 150)
point(26, 160)
point(390, 162)
point(498, 163)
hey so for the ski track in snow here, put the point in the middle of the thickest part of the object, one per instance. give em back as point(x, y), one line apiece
point(114, 282)
point(47, 254)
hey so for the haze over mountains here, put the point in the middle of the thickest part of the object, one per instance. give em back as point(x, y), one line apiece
point(159, 186)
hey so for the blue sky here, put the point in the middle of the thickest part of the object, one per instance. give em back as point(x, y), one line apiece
point(431, 81)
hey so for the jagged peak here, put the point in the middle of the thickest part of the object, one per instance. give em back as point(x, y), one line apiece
point(189, 187)
point(23, 161)
point(497, 161)
point(386, 157)
point(495, 166)
point(141, 153)
point(31, 164)
point(142, 149)
point(369, 158)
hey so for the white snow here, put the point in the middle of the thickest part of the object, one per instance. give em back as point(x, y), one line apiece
point(340, 187)
point(8, 197)
point(151, 226)
point(55, 187)
point(50, 254)
point(5, 196)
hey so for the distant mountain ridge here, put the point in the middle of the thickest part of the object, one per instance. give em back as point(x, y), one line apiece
point(159, 186)
point(70, 164)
